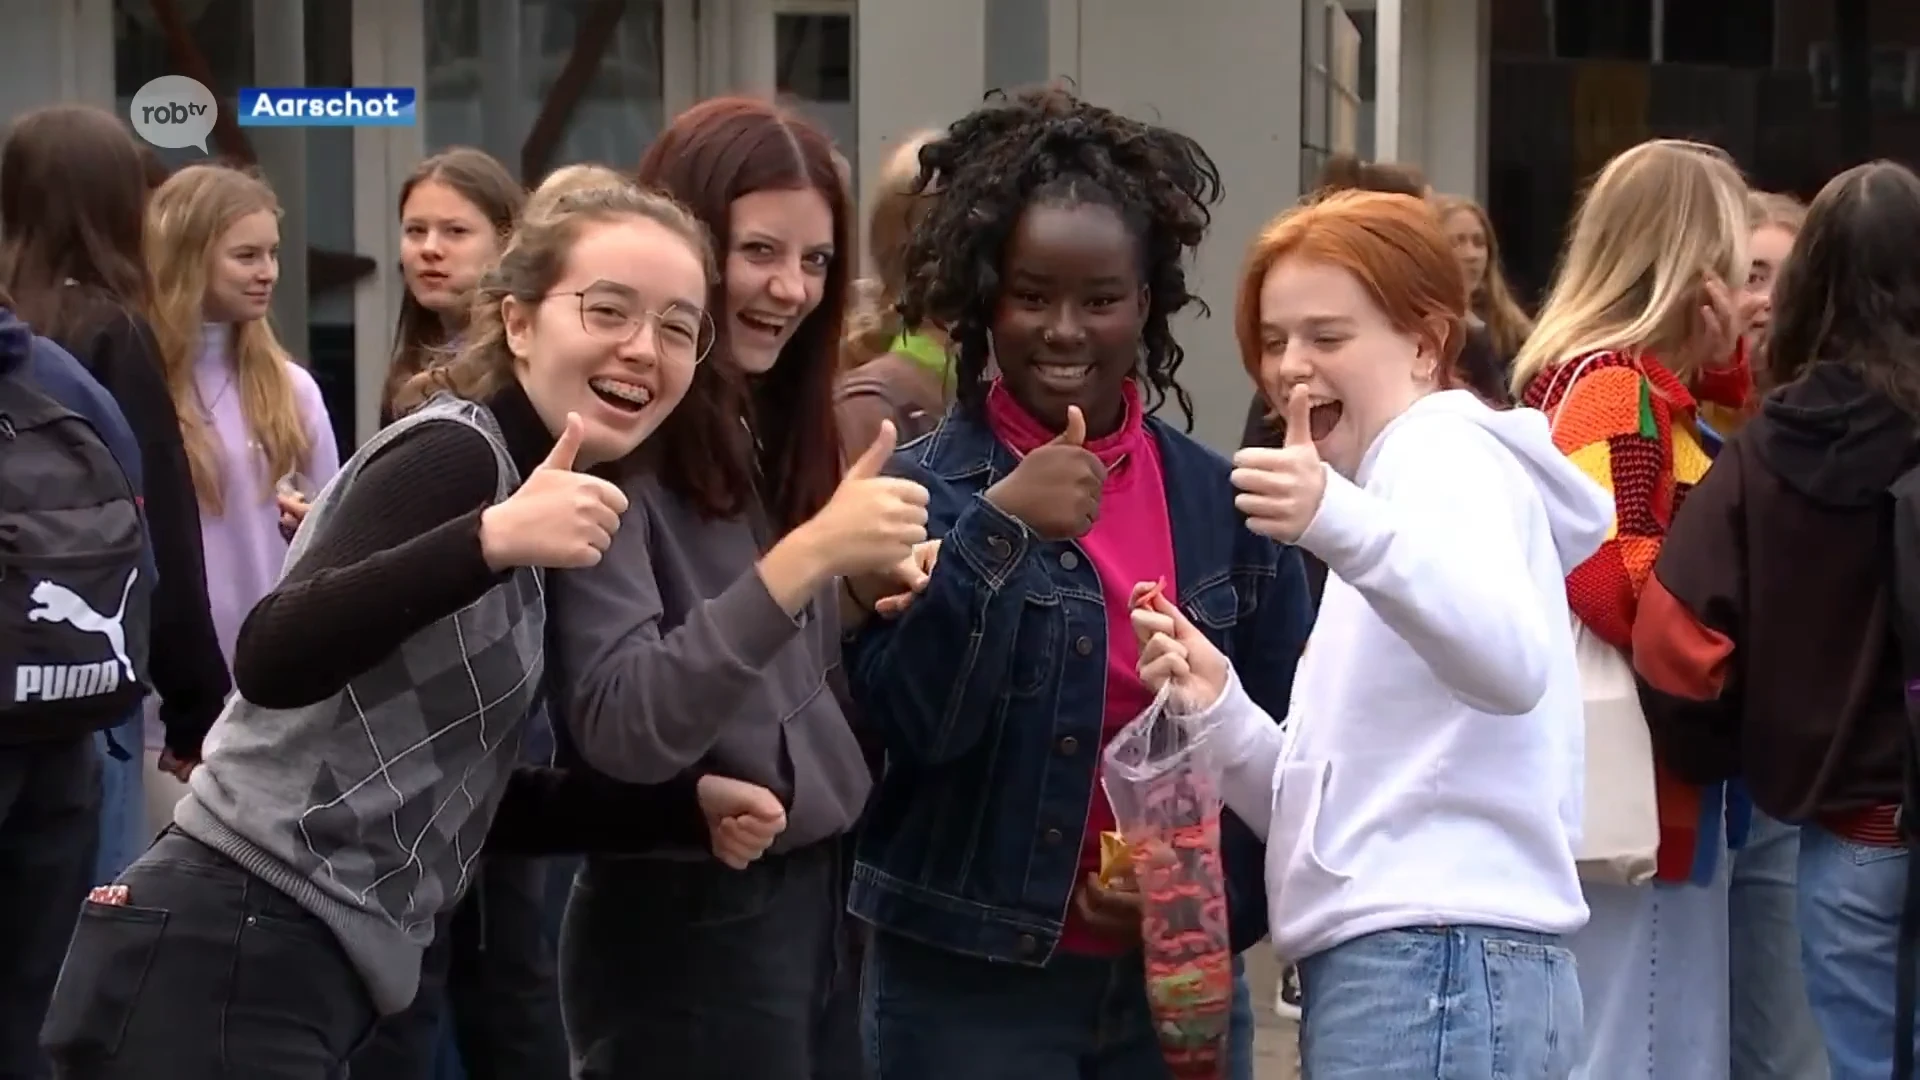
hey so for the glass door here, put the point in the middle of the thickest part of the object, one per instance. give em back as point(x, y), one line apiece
point(229, 44)
point(814, 66)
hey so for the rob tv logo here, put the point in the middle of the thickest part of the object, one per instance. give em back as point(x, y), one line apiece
point(174, 111)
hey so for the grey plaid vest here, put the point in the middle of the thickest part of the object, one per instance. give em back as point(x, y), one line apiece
point(369, 808)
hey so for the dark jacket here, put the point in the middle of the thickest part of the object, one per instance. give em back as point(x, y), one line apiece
point(56, 374)
point(1764, 636)
point(986, 694)
point(189, 674)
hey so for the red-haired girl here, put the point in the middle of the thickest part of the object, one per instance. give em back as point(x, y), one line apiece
point(1420, 804)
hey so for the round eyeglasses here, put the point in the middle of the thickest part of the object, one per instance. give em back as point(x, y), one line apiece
point(680, 333)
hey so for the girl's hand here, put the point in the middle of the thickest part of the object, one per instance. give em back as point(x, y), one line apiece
point(1725, 317)
point(178, 768)
point(743, 819)
point(1111, 911)
point(1173, 652)
point(873, 521)
point(908, 580)
point(293, 510)
point(559, 519)
point(1281, 489)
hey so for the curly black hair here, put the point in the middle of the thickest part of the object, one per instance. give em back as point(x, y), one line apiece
point(1047, 145)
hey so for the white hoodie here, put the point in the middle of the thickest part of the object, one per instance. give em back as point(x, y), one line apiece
point(1429, 772)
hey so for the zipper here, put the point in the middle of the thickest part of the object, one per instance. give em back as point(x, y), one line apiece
point(98, 558)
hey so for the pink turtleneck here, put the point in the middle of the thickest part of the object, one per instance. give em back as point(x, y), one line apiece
point(1131, 542)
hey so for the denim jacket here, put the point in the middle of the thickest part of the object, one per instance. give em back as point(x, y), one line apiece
point(986, 694)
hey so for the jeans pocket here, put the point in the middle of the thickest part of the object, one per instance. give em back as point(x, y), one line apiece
point(1534, 1016)
point(1868, 854)
point(107, 962)
point(693, 895)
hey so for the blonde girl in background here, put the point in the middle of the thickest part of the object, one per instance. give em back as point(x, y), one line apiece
point(891, 374)
point(258, 439)
point(1489, 298)
point(1776, 220)
point(1644, 321)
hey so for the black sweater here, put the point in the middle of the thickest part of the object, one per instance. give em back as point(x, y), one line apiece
point(189, 675)
point(405, 552)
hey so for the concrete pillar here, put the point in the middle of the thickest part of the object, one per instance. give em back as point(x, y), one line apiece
point(503, 119)
point(389, 49)
point(1017, 42)
point(280, 59)
point(922, 63)
point(1456, 51)
point(1389, 47)
point(1243, 107)
point(57, 52)
point(1430, 100)
point(756, 61)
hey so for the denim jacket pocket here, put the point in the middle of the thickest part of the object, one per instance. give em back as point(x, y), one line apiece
point(1036, 647)
point(1220, 604)
point(1293, 856)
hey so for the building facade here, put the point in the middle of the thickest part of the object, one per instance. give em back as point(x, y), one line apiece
point(1511, 101)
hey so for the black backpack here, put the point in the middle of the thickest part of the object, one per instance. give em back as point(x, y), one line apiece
point(75, 586)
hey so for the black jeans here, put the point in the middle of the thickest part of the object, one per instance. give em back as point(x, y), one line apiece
point(697, 972)
point(207, 973)
point(492, 963)
point(49, 831)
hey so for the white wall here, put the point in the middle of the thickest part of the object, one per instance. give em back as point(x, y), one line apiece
point(1443, 92)
point(1243, 105)
point(922, 63)
point(56, 51)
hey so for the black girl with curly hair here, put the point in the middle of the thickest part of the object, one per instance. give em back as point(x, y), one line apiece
point(1094, 176)
point(1054, 257)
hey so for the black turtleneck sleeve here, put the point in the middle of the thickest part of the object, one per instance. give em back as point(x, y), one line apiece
point(401, 551)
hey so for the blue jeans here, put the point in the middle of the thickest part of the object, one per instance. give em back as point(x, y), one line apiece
point(930, 1014)
point(1773, 1034)
point(1240, 1036)
point(1441, 1003)
point(1850, 897)
point(123, 800)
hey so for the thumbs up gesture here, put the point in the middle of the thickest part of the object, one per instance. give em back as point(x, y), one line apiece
point(1055, 490)
point(1281, 489)
point(873, 521)
point(559, 518)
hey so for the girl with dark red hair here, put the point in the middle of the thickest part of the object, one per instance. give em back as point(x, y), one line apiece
point(709, 637)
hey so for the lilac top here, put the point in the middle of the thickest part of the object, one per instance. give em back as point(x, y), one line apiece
point(244, 548)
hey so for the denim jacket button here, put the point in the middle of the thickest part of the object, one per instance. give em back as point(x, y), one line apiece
point(1028, 946)
point(1084, 646)
point(1054, 836)
point(999, 546)
point(1069, 746)
point(1069, 561)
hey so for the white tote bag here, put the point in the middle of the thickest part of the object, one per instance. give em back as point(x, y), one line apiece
point(1620, 821)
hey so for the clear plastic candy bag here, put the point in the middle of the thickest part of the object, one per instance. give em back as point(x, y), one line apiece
point(1165, 791)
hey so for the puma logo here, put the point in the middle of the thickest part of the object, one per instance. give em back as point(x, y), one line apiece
point(57, 603)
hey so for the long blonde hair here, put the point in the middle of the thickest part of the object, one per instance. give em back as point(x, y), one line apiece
point(1492, 300)
point(1657, 221)
point(186, 219)
point(874, 321)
